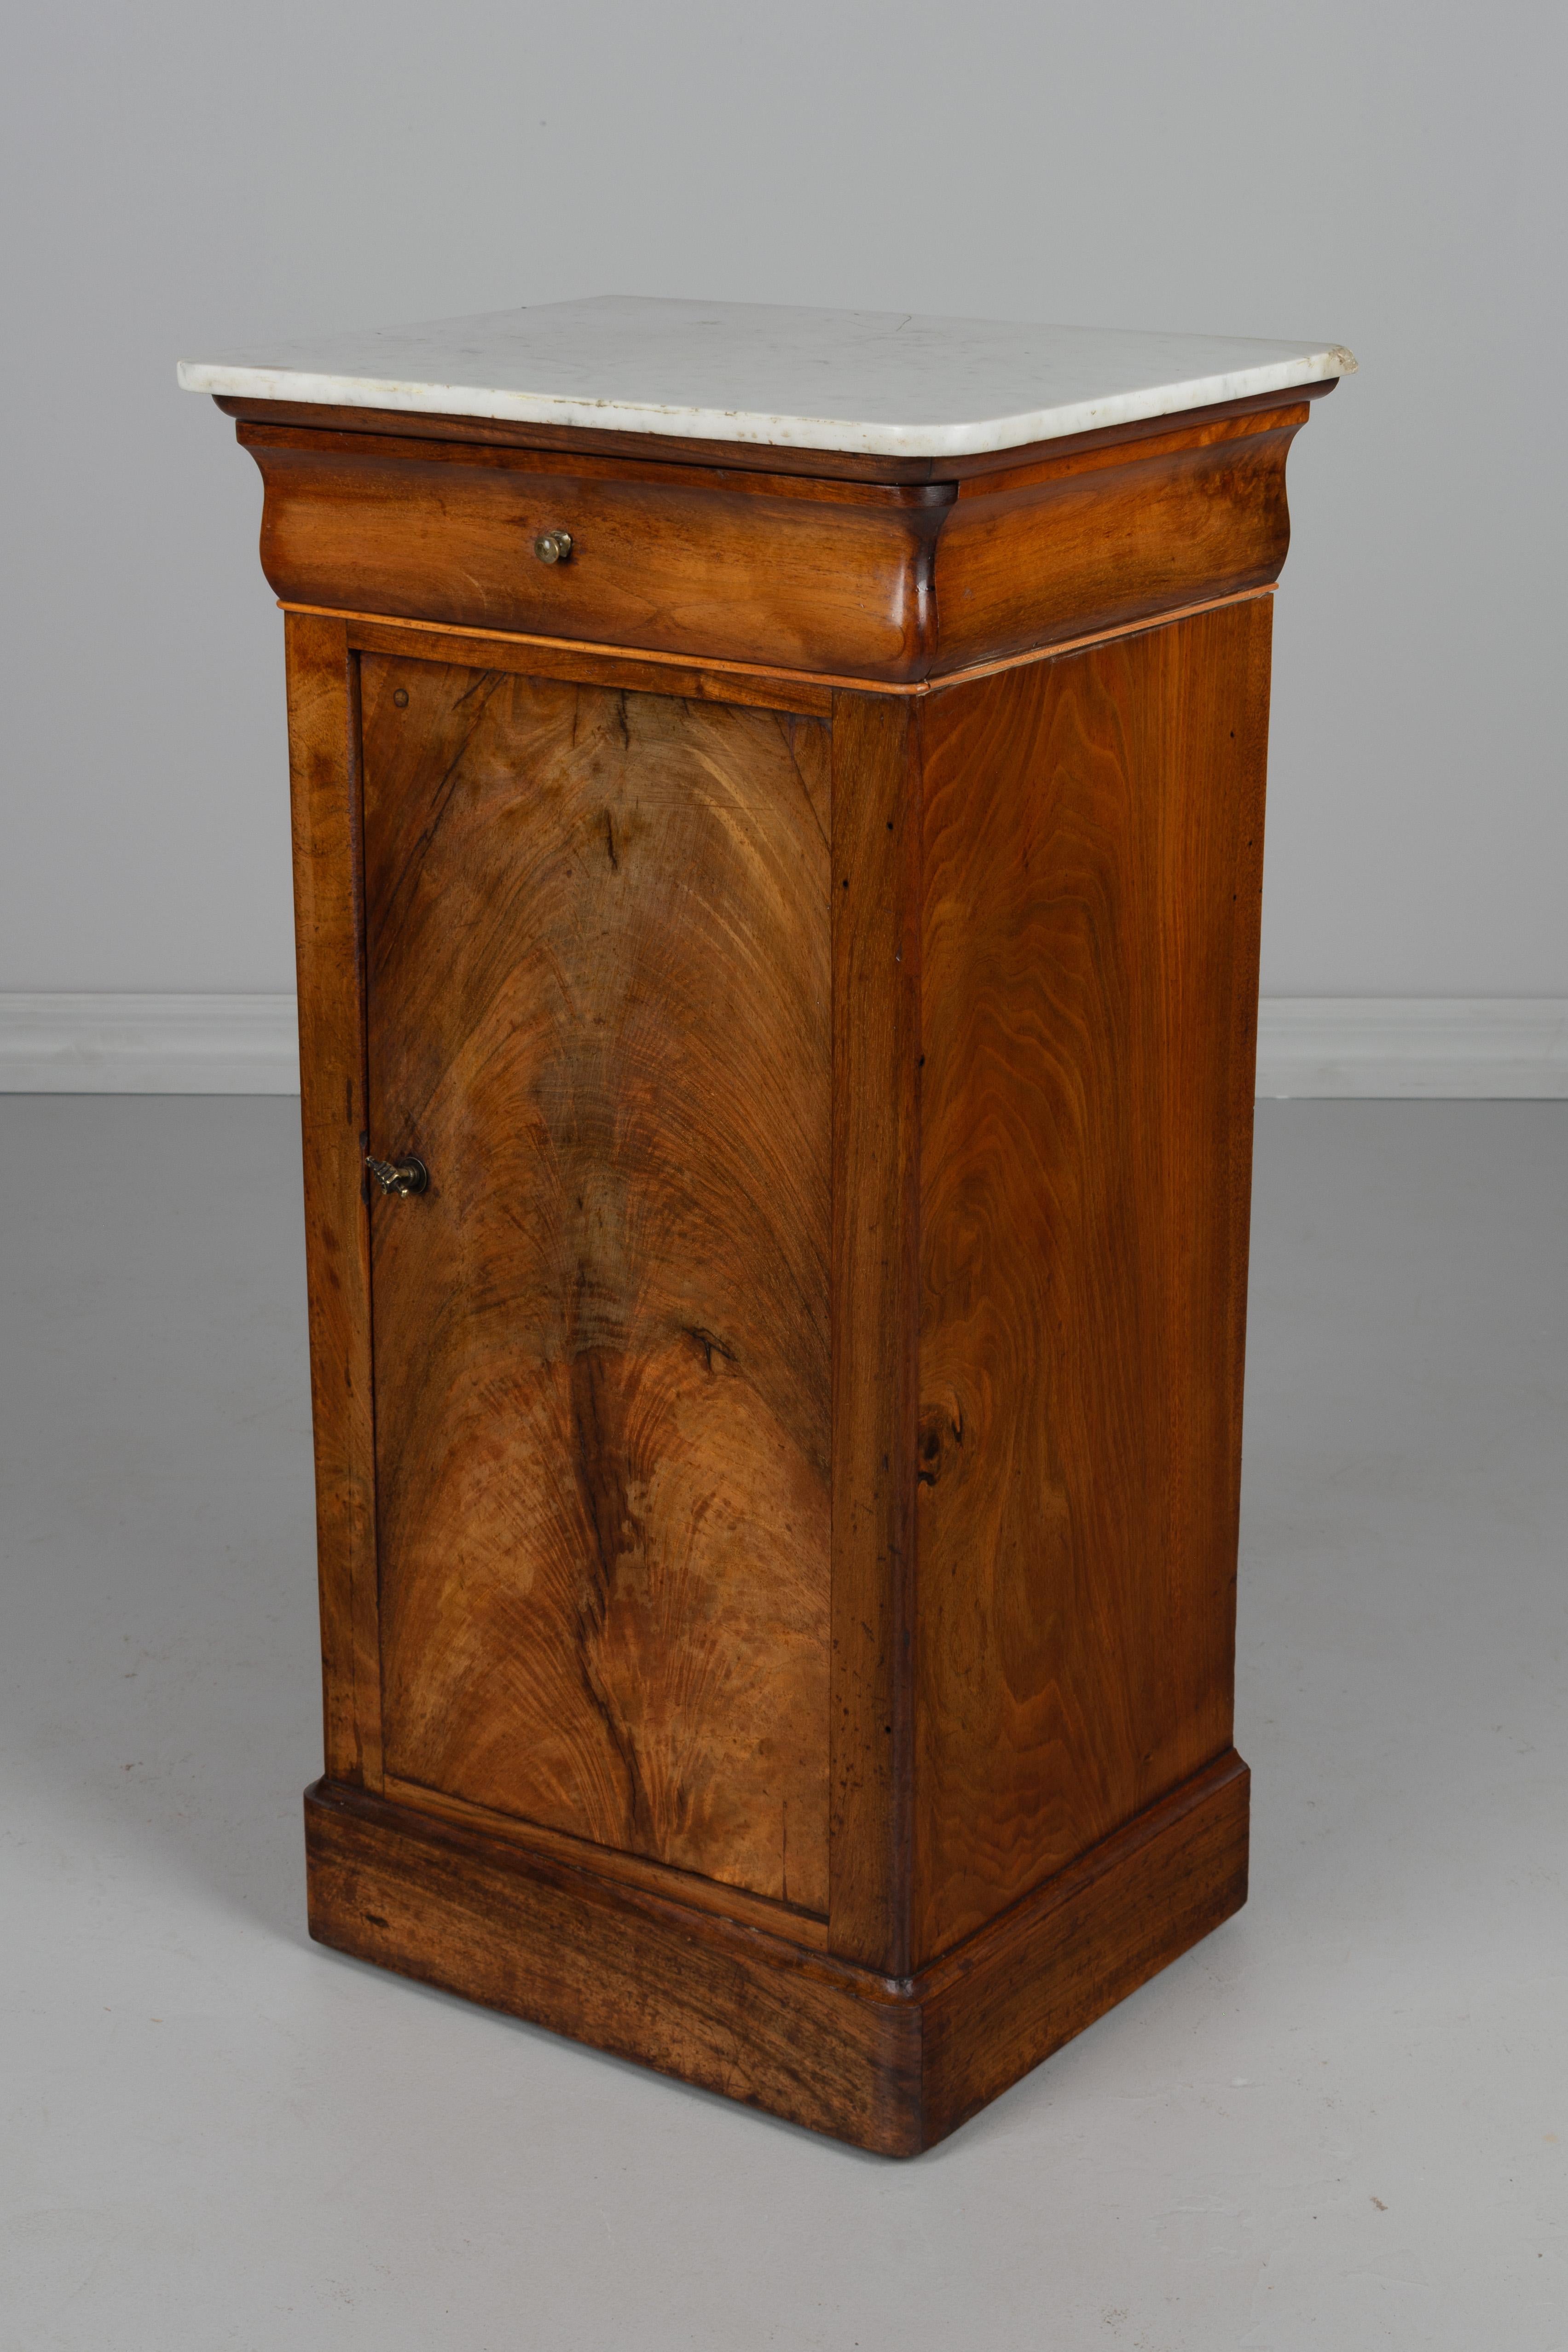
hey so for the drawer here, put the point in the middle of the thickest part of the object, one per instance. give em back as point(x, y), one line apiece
point(786, 571)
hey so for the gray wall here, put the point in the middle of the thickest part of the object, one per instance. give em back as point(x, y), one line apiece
point(179, 177)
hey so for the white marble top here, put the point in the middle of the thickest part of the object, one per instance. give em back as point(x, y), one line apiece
point(879, 383)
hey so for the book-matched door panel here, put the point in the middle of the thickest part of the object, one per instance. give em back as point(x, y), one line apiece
point(1094, 845)
point(599, 1007)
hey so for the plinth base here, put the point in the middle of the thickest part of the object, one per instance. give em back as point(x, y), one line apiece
point(892, 2065)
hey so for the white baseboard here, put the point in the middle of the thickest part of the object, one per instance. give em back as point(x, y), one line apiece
point(196, 1044)
point(1410, 1047)
point(1414, 1047)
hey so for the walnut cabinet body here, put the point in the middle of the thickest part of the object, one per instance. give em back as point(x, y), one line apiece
point(777, 1484)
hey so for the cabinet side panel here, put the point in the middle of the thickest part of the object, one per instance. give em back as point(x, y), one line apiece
point(330, 956)
point(1092, 840)
point(876, 1046)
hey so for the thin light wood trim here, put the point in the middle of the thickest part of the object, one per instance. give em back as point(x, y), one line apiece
point(788, 677)
point(737, 1902)
point(1076, 645)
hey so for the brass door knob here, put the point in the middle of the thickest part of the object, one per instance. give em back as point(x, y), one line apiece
point(553, 546)
point(399, 1176)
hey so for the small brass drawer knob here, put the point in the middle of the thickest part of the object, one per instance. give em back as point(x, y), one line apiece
point(399, 1178)
point(553, 546)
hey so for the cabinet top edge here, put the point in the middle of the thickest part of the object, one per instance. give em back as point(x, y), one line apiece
point(859, 383)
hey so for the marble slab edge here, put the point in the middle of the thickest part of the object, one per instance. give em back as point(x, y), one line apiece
point(872, 439)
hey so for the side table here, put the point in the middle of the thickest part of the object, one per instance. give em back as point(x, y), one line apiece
point(778, 813)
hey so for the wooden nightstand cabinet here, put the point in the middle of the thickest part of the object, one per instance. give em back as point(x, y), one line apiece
point(788, 946)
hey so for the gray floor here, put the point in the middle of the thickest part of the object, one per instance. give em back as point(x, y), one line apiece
point(1343, 2122)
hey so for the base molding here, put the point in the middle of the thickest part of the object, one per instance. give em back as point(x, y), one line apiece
point(892, 2065)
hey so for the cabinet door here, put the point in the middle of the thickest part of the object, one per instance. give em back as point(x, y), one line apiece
point(599, 1011)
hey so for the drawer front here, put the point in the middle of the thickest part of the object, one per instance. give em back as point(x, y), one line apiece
point(824, 577)
point(599, 985)
point(1110, 537)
